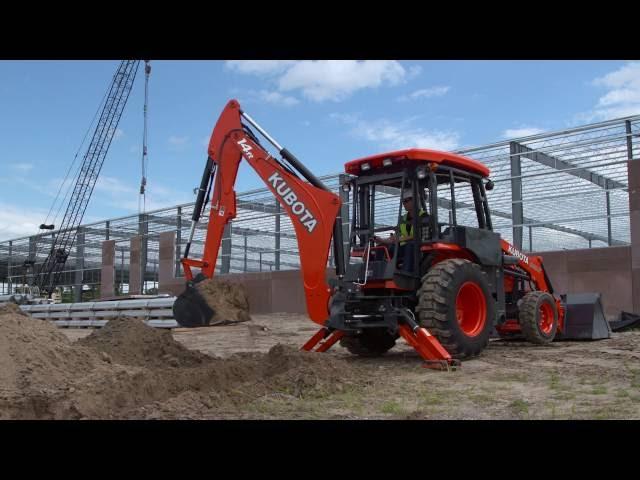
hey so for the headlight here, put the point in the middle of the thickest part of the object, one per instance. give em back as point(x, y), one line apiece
point(387, 162)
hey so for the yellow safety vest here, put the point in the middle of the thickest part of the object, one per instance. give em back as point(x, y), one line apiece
point(406, 226)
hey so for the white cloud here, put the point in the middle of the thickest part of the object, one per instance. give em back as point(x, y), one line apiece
point(120, 194)
point(259, 67)
point(113, 186)
point(399, 135)
point(622, 98)
point(322, 80)
point(521, 132)
point(18, 221)
point(414, 71)
point(21, 166)
point(277, 98)
point(430, 92)
point(337, 79)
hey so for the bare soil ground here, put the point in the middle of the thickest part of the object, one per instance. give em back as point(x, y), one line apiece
point(510, 380)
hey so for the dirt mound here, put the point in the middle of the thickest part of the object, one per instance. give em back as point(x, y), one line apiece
point(229, 300)
point(245, 380)
point(130, 370)
point(37, 361)
point(130, 341)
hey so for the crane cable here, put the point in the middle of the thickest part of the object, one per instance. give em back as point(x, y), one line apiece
point(142, 200)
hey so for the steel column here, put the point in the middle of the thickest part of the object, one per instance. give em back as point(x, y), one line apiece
point(516, 194)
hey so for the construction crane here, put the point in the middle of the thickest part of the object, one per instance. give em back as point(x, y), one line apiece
point(50, 270)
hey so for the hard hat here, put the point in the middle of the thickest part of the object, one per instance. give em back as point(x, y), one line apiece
point(407, 194)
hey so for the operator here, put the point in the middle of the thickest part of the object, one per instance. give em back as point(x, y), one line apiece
point(405, 252)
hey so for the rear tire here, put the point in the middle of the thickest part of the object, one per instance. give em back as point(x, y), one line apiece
point(456, 306)
point(370, 343)
point(538, 317)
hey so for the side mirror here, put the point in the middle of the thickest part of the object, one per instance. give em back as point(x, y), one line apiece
point(489, 186)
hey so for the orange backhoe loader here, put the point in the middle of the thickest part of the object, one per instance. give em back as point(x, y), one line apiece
point(441, 285)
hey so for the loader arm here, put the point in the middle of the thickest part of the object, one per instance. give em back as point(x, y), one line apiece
point(313, 209)
point(534, 268)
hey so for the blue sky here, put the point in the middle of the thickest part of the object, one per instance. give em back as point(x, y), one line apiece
point(325, 112)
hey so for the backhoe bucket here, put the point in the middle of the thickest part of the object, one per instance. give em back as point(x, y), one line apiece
point(584, 317)
point(191, 310)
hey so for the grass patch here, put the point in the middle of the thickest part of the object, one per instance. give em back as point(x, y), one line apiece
point(622, 393)
point(511, 377)
point(434, 398)
point(520, 407)
point(564, 396)
point(599, 390)
point(482, 399)
point(392, 408)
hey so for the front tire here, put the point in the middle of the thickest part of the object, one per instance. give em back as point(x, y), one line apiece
point(538, 317)
point(456, 306)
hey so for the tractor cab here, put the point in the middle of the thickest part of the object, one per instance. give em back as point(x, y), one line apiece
point(411, 208)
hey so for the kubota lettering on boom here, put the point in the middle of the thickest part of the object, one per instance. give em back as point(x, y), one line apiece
point(298, 208)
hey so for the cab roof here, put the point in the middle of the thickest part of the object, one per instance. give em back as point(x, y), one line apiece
point(419, 155)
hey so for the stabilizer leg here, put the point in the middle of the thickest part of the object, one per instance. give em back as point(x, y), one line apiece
point(429, 348)
point(324, 338)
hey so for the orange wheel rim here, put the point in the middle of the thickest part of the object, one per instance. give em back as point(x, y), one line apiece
point(545, 318)
point(471, 309)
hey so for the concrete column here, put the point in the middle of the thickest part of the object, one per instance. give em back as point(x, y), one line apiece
point(226, 249)
point(167, 265)
point(108, 270)
point(277, 235)
point(516, 194)
point(121, 284)
point(79, 273)
point(135, 280)
point(633, 172)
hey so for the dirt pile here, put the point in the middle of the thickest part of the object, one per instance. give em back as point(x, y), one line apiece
point(130, 370)
point(129, 341)
point(229, 301)
point(36, 362)
point(244, 380)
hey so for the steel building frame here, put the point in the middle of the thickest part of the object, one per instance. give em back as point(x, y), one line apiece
point(566, 189)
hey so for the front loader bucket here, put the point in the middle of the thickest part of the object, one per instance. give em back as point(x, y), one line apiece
point(584, 318)
point(191, 310)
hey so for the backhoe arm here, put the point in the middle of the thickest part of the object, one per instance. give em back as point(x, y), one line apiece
point(313, 209)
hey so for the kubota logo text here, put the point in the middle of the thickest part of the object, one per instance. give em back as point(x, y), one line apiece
point(290, 198)
point(517, 253)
